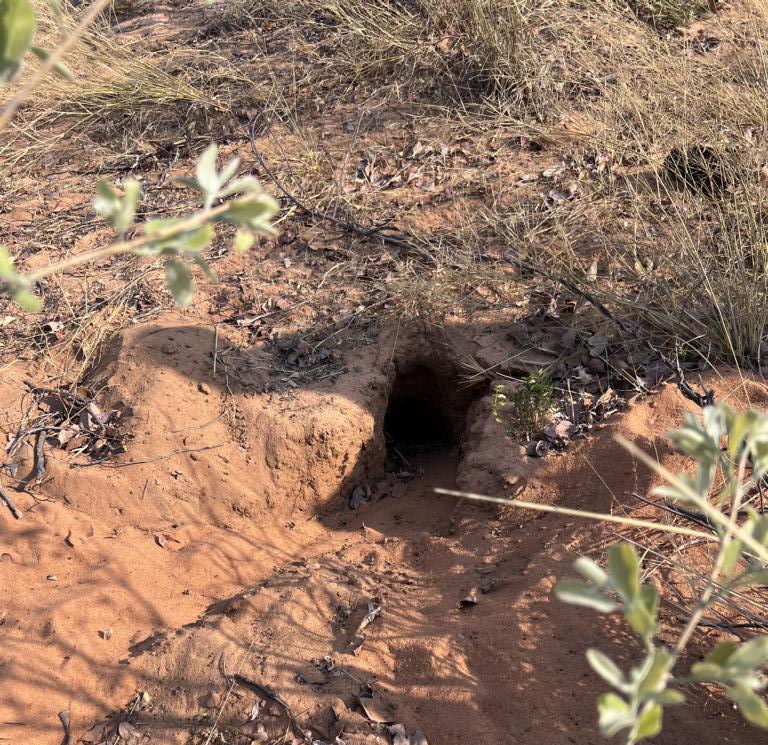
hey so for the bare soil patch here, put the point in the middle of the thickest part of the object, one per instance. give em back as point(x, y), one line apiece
point(171, 575)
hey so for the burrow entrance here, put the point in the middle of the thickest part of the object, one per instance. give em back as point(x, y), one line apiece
point(426, 410)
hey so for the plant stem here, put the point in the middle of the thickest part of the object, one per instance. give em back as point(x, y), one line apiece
point(601, 516)
point(709, 590)
point(190, 223)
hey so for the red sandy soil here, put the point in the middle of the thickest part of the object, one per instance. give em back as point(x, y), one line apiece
point(165, 577)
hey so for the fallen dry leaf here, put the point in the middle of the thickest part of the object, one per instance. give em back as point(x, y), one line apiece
point(377, 708)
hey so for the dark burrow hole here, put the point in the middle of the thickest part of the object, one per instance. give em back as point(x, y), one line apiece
point(422, 414)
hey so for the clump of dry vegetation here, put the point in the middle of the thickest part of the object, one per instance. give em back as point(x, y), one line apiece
point(487, 146)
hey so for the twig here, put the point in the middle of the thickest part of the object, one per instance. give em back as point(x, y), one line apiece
point(190, 223)
point(39, 390)
point(707, 623)
point(9, 504)
point(704, 600)
point(199, 426)
point(601, 516)
point(268, 693)
point(215, 349)
point(163, 457)
point(394, 237)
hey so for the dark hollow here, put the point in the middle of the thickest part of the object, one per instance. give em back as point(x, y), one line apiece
point(412, 422)
point(416, 417)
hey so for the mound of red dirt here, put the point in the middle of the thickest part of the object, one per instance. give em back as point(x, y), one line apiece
point(222, 542)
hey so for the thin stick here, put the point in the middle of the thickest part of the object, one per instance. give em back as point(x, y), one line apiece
point(215, 349)
point(601, 516)
point(50, 62)
point(199, 426)
point(167, 455)
point(10, 505)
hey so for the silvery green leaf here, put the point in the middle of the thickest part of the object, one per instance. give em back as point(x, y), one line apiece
point(119, 211)
point(640, 619)
point(26, 299)
point(203, 264)
point(156, 228)
point(675, 493)
point(194, 240)
point(206, 175)
point(749, 655)
point(654, 678)
point(6, 264)
point(648, 723)
point(188, 182)
point(590, 571)
point(229, 170)
point(606, 669)
point(738, 431)
point(152, 227)
point(732, 555)
point(757, 576)
point(615, 714)
point(759, 450)
point(17, 28)
point(624, 570)
point(9, 71)
point(180, 281)
point(128, 204)
point(16, 285)
point(244, 185)
point(59, 67)
point(708, 672)
point(667, 697)
point(106, 199)
point(720, 654)
point(575, 592)
point(252, 213)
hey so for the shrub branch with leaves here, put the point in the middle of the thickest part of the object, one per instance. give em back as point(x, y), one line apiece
point(179, 242)
point(720, 489)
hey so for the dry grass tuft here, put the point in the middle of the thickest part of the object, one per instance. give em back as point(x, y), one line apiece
point(124, 101)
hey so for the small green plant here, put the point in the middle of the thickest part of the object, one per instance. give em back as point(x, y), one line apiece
point(524, 410)
point(724, 481)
